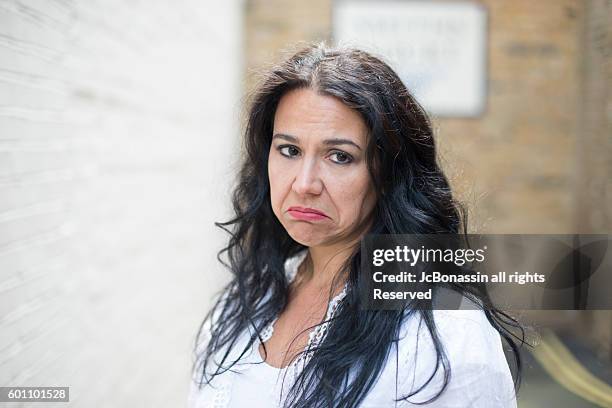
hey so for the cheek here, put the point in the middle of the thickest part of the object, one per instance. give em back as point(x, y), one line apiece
point(349, 193)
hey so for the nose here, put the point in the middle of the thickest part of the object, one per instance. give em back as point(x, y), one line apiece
point(307, 180)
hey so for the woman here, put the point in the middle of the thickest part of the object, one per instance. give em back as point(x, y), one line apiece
point(336, 147)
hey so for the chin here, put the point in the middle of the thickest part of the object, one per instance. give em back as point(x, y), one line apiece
point(305, 235)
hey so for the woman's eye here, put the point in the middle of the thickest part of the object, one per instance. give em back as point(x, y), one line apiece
point(288, 151)
point(342, 158)
point(292, 151)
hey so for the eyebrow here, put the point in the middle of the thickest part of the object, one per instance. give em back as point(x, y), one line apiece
point(329, 142)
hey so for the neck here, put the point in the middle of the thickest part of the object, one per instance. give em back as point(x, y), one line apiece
point(322, 265)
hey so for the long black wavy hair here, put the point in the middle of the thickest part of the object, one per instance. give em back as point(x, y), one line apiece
point(413, 197)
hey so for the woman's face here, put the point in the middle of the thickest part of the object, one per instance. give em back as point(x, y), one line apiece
point(317, 163)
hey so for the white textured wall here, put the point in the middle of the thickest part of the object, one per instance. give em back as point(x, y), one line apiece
point(118, 138)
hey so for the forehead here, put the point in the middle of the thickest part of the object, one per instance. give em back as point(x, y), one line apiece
point(305, 113)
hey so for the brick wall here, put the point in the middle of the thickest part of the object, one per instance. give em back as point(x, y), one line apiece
point(593, 213)
point(117, 140)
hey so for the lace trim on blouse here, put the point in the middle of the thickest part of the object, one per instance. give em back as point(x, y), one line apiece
point(318, 333)
point(222, 391)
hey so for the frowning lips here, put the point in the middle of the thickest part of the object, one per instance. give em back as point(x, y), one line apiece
point(306, 210)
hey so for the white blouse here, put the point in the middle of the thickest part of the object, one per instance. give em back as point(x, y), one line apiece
point(480, 376)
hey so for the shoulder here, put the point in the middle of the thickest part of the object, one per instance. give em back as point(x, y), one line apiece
point(466, 336)
point(479, 372)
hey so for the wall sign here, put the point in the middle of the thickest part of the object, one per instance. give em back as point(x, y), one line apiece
point(437, 47)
